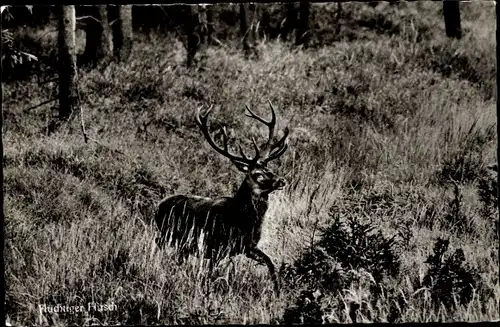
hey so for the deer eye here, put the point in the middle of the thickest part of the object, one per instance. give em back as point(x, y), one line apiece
point(259, 177)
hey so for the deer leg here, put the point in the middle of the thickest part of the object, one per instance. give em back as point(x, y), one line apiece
point(257, 254)
point(182, 255)
point(160, 241)
point(230, 271)
point(211, 265)
point(208, 277)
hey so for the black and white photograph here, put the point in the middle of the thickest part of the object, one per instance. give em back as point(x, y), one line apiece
point(250, 163)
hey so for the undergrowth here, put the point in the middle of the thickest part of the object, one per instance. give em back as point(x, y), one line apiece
point(390, 211)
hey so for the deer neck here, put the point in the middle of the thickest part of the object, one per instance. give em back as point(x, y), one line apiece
point(252, 204)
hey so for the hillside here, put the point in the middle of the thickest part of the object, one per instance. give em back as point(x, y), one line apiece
point(392, 125)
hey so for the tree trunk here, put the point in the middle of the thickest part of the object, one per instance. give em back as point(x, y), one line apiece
point(451, 11)
point(122, 32)
point(303, 32)
point(253, 20)
point(1, 172)
point(68, 93)
point(244, 28)
point(290, 21)
point(265, 22)
point(337, 18)
point(98, 36)
point(107, 33)
point(93, 31)
point(193, 39)
point(203, 24)
point(210, 25)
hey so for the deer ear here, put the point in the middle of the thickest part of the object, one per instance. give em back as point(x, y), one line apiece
point(242, 167)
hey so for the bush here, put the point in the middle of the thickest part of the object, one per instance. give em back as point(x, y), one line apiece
point(455, 217)
point(344, 247)
point(307, 309)
point(355, 247)
point(346, 255)
point(487, 191)
point(449, 278)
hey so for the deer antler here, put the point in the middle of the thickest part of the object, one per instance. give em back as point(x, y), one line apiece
point(270, 124)
point(202, 121)
point(277, 149)
point(281, 147)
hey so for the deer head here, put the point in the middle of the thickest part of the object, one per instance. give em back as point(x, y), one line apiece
point(259, 177)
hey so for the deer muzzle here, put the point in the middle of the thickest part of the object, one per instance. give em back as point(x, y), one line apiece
point(279, 184)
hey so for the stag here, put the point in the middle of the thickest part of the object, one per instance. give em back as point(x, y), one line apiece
point(226, 226)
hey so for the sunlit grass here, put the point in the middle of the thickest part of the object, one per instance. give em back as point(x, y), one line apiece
point(378, 130)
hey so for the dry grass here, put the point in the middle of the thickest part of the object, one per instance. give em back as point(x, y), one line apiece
point(378, 118)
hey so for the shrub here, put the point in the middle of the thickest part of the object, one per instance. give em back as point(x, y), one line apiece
point(461, 166)
point(455, 217)
point(355, 247)
point(307, 309)
point(345, 255)
point(344, 247)
point(487, 191)
point(449, 278)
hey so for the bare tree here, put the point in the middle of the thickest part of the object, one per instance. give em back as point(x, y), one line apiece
point(451, 11)
point(197, 31)
point(303, 32)
point(98, 35)
point(68, 92)
point(226, 226)
point(265, 22)
point(122, 32)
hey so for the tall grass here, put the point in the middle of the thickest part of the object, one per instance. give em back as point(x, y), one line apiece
point(383, 122)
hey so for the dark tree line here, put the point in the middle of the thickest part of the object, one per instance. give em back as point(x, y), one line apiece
point(98, 35)
point(109, 35)
point(201, 30)
point(102, 41)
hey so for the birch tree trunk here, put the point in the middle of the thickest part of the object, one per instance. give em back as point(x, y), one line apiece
point(122, 32)
point(68, 92)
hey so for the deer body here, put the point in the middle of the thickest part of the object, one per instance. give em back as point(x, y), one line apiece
point(225, 226)
point(230, 226)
